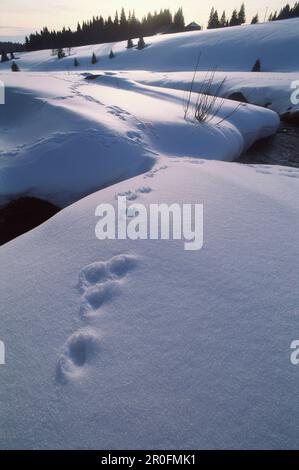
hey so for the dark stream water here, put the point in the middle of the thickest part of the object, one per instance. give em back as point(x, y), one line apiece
point(280, 149)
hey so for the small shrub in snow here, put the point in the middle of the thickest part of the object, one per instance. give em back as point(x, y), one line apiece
point(257, 66)
point(111, 55)
point(94, 58)
point(209, 101)
point(4, 57)
point(130, 44)
point(60, 53)
point(15, 67)
point(141, 44)
point(76, 62)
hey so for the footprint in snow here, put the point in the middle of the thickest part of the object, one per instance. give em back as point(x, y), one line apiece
point(133, 195)
point(119, 112)
point(99, 282)
point(289, 173)
point(77, 353)
point(101, 272)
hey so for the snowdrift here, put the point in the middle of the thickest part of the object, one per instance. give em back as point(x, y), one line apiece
point(123, 344)
point(63, 137)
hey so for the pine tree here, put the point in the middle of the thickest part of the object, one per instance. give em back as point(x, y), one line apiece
point(76, 62)
point(223, 21)
point(255, 19)
point(14, 67)
point(123, 23)
point(214, 19)
point(141, 44)
point(130, 44)
point(179, 21)
point(241, 14)
point(94, 58)
point(210, 22)
point(111, 55)
point(257, 66)
point(60, 53)
point(234, 21)
point(4, 57)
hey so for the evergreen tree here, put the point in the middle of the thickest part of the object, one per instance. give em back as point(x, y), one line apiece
point(76, 62)
point(211, 17)
point(179, 21)
point(257, 66)
point(100, 30)
point(4, 57)
point(223, 21)
point(14, 67)
point(241, 14)
point(255, 19)
point(123, 23)
point(234, 21)
point(111, 55)
point(214, 19)
point(60, 53)
point(94, 58)
point(130, 44)
point(141, 44)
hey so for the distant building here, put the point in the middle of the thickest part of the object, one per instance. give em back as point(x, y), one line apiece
point(193, 27)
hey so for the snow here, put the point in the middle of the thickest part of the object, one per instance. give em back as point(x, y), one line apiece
point(64, 137)
point(235, 48)
point(122, 344)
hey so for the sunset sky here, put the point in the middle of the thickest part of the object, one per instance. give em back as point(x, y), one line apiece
point(20, 17)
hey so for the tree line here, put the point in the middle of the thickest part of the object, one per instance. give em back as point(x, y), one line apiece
point(216, 21)
point(11, 47)
point(238, 17)
point(285, 13)
point(100, 30)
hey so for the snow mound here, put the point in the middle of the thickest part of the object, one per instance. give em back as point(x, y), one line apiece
point(63, 138)
point(119, 344)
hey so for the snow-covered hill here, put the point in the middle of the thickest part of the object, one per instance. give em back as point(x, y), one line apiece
point(236, 48)
point(121, 344)
point(64, 137)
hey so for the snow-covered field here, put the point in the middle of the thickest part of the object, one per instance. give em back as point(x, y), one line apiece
point(121, 344)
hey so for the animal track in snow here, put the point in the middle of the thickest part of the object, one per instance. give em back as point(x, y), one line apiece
point(78, 351)
point(152, 173)
point(290, 173)
point(99, 282)
point(96, 296)
point(102, 272)
point(119, 112)
point(133, 195)
point(130, 195)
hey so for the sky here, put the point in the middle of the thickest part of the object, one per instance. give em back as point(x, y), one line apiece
point(21, 17)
